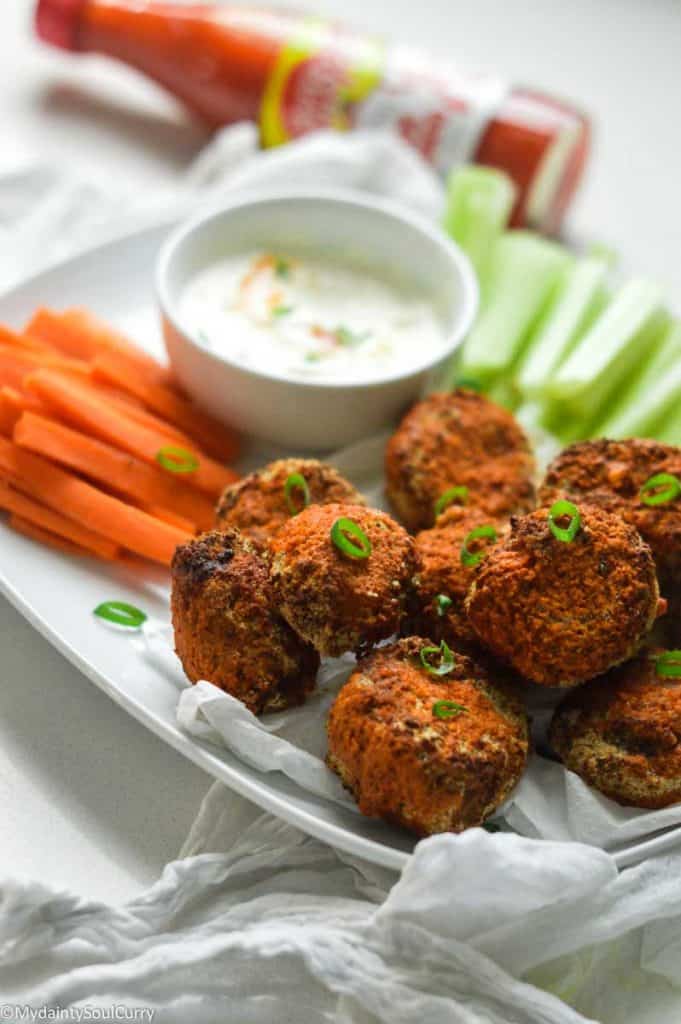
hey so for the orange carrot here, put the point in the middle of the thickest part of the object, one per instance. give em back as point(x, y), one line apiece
point(168, 516)
point(72, 497)
point(211, 435)
point(18, 504)
point(148, 485)
point(21, 401)
point(147, 419)
point(8, 417)
point(50, 540)
point(17, 361)
point(84, 408)
point(24, 341)
point(13, 403)
point(78, 333)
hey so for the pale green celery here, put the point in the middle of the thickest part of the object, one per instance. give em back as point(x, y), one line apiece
point(669, 429)
point(653, 396)
point(524, 270)
point(623, 336)
point(479, 204)
point(503, 393)
point(577, 304)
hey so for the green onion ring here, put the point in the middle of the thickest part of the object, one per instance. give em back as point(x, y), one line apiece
point(660, 489)
point(177, 460)
point(448, 497)
point(669, 664)
point(446, 659)
point(560, 510)
point(442, 603)
point(471, 383)
point(470, 558)
point(296, 482)
point(121, 614)
point(350, 538)
point(448, 709)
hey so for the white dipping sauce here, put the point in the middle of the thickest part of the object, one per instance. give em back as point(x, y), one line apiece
point(309, 319)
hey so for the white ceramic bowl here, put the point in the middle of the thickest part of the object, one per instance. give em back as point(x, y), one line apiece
point(333, 224)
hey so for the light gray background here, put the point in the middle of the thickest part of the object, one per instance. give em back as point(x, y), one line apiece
point(88, 799)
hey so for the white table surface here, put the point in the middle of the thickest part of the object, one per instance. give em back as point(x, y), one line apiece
point(89, 800)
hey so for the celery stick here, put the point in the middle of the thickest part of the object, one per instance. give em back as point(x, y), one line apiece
point(576, 307)
point(669, 430)
point(653, 395)
point(523, 271)
point(621, 337)
point(479, 204)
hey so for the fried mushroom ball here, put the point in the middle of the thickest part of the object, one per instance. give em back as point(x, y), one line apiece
point(611, 474)
point(341, 589)
point(436, 606)
point(561, 612)
point(264, 500)
point(433, 753)
point(621, 733)
point(454, 440)
point(227, 627)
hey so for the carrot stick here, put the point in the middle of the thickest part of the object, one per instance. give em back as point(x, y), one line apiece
point(38, 515)
point(78, 333)
point(24, 341)
point(8, 417)
point(147, 419)
point(22, 402)
point(123, 524)
point(168, 516)
point(213, 436)
point(50, 540)
point(87, 410)
point(18, 361)
point(148, 485)
point(13, 404)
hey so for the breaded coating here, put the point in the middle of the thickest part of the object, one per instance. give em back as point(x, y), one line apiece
point(227, 627)
point(436, 605)
point(458, 439)
point(257, 504)
point(405, 764)
point(561, 613)
point(610, 474)
point(336, 602)
point(620, 733)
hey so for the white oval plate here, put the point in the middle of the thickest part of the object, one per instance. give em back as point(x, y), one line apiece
point(57, 594)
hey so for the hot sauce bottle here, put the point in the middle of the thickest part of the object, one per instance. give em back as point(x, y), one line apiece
point(294, 74)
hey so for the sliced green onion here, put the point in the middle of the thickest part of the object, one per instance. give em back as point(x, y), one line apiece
point(120, 613)
point(442, 603)
point(451, 495)
point(281, 310)
point(448, 709)
point(562, 510)
point(350, 538)
point(296, 482)
point(470, 558)
point(472, 383)
point(282, 268)
point(489, 826)
point(660, 489)
point(446, 657)
point(349, 338)
point(669, 664)
point(177, 460)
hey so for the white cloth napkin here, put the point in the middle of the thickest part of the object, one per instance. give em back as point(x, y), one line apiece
point(258, 922)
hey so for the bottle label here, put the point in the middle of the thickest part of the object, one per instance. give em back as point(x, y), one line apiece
point(327, 78)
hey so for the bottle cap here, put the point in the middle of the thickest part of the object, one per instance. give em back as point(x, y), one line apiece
point(57, 22)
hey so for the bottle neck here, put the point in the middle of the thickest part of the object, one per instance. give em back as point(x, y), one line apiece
point(215, 58)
